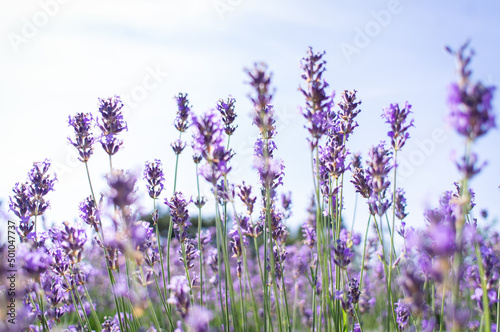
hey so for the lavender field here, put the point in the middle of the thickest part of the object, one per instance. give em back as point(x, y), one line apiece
point(228, 227)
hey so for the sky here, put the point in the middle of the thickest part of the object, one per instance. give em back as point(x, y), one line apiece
point(57, 57)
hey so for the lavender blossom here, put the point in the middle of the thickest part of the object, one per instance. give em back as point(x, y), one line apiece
point(89, 213)
point(343, 254)
point(318, 102)
point(179, 295)
point(178, 146)
point(122, 188)
point(183, 112)
point(360, 181)
point(260, 80)
point(198, 319)
point(34, 261)
point(111, 124)
point(84, 141)
point(153, 174)
point(309, 234)
point(244, 193)
point(20, 204)
point(402, 314)
point(271, 171)
point(209, 144)
point(226, 109)
point(397, 117)
point(400, 203)
point(471, 113)
point(191, 254)
point(347, 113)
point(180, 215)
point(72, 241)
point(468, 166)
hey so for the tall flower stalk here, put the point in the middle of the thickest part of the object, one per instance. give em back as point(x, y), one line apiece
point(471, 115)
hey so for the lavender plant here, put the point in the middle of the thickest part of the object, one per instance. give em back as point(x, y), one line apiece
point(112, 270)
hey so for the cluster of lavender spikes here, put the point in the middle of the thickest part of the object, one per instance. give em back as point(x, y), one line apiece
point(113, 271)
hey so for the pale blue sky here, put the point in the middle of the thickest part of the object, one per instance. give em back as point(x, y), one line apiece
point(58, 57)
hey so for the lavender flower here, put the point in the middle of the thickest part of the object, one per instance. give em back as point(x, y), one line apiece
point(35, 261)
point(183, 113)
point(378, 168)
point(402, 314)
point(29, 198)
point(260, 80)
point(111, 124)
point(226, 109)
point(209, 144)
point(72, 241)
point(20, 204)
point(41, 183)
point(83, 142)
point(343, 254)
point(471, 112)
point(318, 102)
point(347, 113)
point(191, 254)
point(153, 174)
point(271, 171)
point(89, 213)
point(396, 117)
point(235, 242)
point(122, 188)
point(178, 146)
point(377, 171)
point(400, 203)
point(244, 193)
point(198, 319)
point(360, 181)
point(180, 215)
point(179, 295)
point(468, 166)
point(309, 234)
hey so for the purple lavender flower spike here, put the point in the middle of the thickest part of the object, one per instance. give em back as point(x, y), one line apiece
point(179, 295)
point(309, 234)
point(122, 188)
point(471, 113)
point(89, 213)
point(396, 117)
point(84, 141)
point(348, 111)
point(111, 124)
point(400, 203)
point(468, 167)
point(360, 181)
point(318, 102)
point(198, 319)
point(260, 80)
point(378, 168)
point(153, 174)
point(343, 254)
point(226, 109)
point(244, 193)
point(402, 314)
point(180, 215)
point(178, 146)
point(191, 254)
point(35, 261)
point(183, 112)
point(20, 204)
